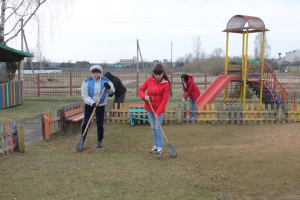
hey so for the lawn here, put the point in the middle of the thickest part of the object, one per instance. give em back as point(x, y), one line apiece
point(213, 162)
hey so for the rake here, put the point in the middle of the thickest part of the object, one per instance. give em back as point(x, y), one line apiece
point(174, 153)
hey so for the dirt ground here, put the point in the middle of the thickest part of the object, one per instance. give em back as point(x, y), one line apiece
point(214, 161)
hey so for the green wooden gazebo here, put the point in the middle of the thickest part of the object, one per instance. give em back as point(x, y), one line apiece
point(11, 93)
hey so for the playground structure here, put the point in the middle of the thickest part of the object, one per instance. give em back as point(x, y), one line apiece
point(239, 74)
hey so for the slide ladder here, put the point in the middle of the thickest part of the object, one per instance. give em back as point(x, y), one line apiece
point(273, 92)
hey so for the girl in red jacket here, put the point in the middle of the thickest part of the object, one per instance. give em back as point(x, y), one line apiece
point(158, 91)
point(190, 89)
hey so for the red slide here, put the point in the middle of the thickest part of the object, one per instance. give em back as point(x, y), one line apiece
point(215, 88)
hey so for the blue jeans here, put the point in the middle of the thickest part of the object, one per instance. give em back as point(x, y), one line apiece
point(193, 106)
point(156, 131)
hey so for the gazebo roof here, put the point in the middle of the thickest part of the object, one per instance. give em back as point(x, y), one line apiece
point(8, 54)
point(236, 24)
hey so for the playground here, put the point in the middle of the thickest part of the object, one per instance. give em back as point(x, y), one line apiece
point(215, 160)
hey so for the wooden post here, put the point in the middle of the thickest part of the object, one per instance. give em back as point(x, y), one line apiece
point(281, 113)
point(171, 86)
point(205, 82)
point(179, 115)
point(71, 84)
point(38, 83)
point(20, 135)
point(137, 84)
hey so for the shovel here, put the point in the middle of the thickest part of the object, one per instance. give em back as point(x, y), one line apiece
point(80, 143)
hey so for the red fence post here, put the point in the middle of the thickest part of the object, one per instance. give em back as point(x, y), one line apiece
point(205, 80)
point(137, 84)
point(38, 83)
point(70, 83)
point(171, 86)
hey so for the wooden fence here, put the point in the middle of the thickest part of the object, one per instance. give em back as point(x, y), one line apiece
point(218, 114)
point(11, 94)
point(11, 138)
point(212, 114)
point(69, 84)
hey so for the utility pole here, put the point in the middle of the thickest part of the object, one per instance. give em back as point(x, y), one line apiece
point(139, 50)
point(137, 55)
point(171, 54)
point(23, 37)
point(279, 60)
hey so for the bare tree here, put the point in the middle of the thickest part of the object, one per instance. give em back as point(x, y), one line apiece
point(197, 47)
point(258, 45)
point(15, 15)
point(188, 57)
point(217, 52)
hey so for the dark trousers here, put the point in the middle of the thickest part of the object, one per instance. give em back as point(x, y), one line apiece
point(88, 110)
point(119, 99)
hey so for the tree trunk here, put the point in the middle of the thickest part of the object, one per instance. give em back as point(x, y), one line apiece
point(3, 7)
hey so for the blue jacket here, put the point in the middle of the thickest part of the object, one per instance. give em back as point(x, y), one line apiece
point(91, 89)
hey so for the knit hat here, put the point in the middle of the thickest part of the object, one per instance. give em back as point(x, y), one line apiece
point(96, 67)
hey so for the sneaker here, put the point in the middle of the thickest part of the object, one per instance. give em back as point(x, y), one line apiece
point(159, 150)
point(153, 150)
point(99, 145)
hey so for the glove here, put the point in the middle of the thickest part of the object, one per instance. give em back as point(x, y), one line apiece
point(183, 100)
point(94, 105)
point(107, 85)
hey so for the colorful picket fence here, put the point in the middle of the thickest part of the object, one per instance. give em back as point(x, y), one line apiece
point(52, 122)
point(11, 94)
point(293, 114)
point(219, 114)
point(212, 114)
point(11, 138)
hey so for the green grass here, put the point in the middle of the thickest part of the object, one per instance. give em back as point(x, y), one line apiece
point(213, 162)
point(33, 107)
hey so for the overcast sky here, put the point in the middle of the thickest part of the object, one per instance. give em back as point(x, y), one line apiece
point(107, 30)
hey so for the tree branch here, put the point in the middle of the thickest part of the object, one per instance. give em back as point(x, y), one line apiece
point(15, 10)
point(32, 14)
point(12, 28)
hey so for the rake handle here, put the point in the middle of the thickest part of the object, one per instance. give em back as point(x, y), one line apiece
point(158, 121)
point(93, 113)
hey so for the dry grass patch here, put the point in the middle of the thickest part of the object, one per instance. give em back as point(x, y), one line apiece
point(213, 162)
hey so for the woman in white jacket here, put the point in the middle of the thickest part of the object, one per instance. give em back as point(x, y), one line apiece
point(91, 89)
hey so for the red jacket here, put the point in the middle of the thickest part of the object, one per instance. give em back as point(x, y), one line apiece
point(158, 93)
point(192, 89)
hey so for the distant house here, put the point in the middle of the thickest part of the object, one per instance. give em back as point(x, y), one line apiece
point(155, 62)
point(126, 62)
point(292, 56)
point(37, 65)
point(165, 61)
point(118, 65)
point(82, 64)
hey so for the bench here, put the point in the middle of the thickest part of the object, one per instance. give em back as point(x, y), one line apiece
point(73, 114)
point(137, 113)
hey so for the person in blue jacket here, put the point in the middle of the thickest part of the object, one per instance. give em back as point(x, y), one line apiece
point(91, 89)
